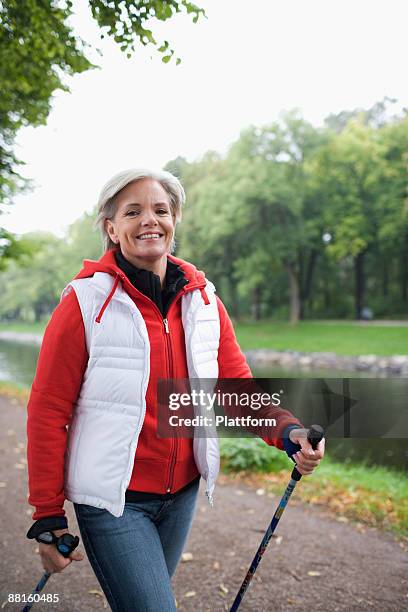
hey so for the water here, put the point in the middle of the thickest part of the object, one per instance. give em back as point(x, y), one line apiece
point(18, 362)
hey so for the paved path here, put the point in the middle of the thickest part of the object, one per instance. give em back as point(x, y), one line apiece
point(316, 563)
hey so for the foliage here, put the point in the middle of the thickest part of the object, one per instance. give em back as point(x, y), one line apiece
point(239, 454)
point(49, 264)
point(127, 21)
point(372, 495)
point(38, 48)
point(284, 224)
point(14, 248)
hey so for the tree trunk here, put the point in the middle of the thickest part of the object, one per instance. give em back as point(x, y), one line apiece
point(294, 294)
point(307, 284)
point(385, 278)
point(404, 271)
point(256, 304)
point(359, 284)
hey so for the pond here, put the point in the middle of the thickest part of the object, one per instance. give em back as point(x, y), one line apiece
point(18, 363)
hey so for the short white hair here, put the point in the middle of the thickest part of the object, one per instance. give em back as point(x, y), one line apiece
point(107, 198)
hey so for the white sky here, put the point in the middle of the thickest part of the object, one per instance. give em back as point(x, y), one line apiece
point(243, 65)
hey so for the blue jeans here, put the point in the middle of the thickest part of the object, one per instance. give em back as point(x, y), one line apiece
point(134, 556)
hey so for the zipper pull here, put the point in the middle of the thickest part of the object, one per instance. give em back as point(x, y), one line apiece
point(166, 325)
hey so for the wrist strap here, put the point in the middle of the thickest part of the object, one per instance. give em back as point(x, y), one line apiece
point(50, 523)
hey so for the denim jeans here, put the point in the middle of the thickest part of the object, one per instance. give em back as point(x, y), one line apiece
point(134, 556)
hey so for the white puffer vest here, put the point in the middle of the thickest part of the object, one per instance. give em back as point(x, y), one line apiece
point(111, 407)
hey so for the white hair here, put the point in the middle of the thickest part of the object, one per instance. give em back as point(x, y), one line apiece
point(107, 198)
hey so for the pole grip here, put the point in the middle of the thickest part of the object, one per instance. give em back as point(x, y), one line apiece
point(314, 435)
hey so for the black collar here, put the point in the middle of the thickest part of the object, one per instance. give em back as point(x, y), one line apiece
point(149, 283)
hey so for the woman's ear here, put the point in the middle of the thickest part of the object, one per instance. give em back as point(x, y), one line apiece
point(110, 230)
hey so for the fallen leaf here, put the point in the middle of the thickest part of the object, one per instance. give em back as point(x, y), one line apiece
point(223, 589)
point(187, 556)
point(278, 540)
point(260, 491)
point(216, 565)
point(312, 573)
point(3, 605)
point(342, 519)
point(250, 511)
point(190, 594)
point(292, 601)
point(295, 576)
point(2, 485)
point(99, 594)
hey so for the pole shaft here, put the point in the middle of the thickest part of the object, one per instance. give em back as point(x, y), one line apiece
point(265, 541)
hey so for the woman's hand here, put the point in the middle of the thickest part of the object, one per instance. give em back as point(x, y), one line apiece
point(306, 458)
point(52, 561)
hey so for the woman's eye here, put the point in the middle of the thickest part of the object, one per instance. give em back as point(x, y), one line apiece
point(162, 211)
point(131, 213)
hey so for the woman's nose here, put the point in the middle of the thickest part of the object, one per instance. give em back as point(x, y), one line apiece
point(148, 218)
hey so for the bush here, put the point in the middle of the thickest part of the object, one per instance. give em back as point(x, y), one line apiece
point(252, 454)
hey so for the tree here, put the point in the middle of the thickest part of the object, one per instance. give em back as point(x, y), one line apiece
point(350, 172)
point(283, 222)
point(38, 47)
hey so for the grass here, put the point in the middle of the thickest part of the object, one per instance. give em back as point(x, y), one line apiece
point(343, 338)
point(14, 391)
point(372, 495)
point(21, 326)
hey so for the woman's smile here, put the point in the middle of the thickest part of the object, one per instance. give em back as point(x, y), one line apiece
point(143, 225)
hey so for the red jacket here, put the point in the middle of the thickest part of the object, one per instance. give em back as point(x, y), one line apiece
point(161, 465)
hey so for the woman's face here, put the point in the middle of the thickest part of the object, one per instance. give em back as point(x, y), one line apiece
point(143, 224)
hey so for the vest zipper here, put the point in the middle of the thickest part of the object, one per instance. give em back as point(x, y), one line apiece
point(174, 441)
point(174, 445)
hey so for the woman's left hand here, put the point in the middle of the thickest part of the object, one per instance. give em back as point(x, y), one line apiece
point(306, 458)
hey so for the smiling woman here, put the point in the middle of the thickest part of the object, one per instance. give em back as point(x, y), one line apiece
point(143, 225)
point(136, 316)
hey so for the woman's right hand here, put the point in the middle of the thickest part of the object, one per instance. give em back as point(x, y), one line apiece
point(52, 561)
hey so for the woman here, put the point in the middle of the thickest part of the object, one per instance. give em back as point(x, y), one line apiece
point(125, 321)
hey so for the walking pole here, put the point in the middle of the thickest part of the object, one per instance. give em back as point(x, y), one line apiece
point(65, 544)
point(315, 434)
point(41, 584)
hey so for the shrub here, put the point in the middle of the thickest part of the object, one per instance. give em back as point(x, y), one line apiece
point(252, 454)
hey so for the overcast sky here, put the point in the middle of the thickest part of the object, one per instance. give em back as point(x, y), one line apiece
point(243, 65)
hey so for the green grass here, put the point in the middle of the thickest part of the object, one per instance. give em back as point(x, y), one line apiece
point(14, 390)
point(343, 338)
point(19, 326)
point(373, 495)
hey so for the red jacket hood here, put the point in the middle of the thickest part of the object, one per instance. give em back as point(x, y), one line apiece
point(107, 263)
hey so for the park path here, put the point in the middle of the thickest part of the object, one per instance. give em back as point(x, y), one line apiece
point(315, 563)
